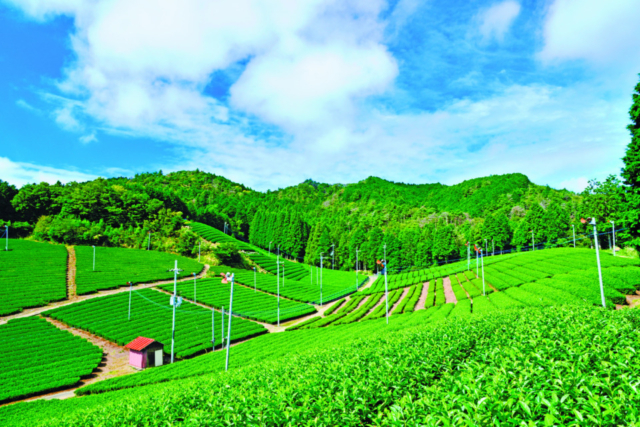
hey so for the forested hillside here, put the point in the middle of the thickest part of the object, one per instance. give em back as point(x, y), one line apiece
point(420, 223)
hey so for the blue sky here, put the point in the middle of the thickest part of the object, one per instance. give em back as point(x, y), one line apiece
point(270, 93)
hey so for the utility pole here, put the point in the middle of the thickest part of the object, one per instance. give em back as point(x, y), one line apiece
point(130, 289)
point(573, 227)
point(94, 258)
point(232, 277)
point(592, 221)
point(175, 303)
point(6, 248)
point(321, 277)
point(213, 330)
point(356, 269)
point(278, 281)
point(482, 261)
point(477, 261)
point(386, 289)
point(613, 233)
point(533, 241)
point(149, 242)
point(195, 298)
point(222, 327)
point(333, 255)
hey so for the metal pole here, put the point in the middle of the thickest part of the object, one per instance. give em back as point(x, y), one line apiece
point(321, 278)
point(477, 275)
point(493, 247)
point(195, 298)
point(333, 255)
point(270, 246)
point(149, 243)
point(482, 261)
point(284, 276)
point(213, 329)
point(130, 286)
point(533, 241)
point(94, 258)
point(7, 239)
point(613, 232)
point(595, 236)
point(175, 302)
point(356, 269)
point(278, 280)
point(386, 289)
point(222, 326)
point(226, 368)
point(573, 227)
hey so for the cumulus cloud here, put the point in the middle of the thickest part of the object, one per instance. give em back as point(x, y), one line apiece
point(496, 20)
point(21, 173)
point(598, 31)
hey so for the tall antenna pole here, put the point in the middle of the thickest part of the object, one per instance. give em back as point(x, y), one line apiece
point(477, 275)
point(613, 232)
point(175, 304)
point(574, 235)
point(94, 258)
point(226, 368)
point(482, 261)
point(595, 236)
point(386, 289)
point(195, 298)
point(356, 269)
point(222, 326)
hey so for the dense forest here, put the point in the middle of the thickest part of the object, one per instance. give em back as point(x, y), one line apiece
point(414, 224)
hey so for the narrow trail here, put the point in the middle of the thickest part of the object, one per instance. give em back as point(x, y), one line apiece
point(320, 313)
point(71, 274)
point(362, 302)
point(33, 311)
point(449, 296)
point(423, 297)
point(405, 291)
point(369, 282)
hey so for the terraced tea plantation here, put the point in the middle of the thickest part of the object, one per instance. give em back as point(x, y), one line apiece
point(151, 317)
point(31, 275)
point(597, 349)
point(37, 356)
point(216, 236)
point(290, 270)
point(115, 267)
point(246, 302)
point(333, 287)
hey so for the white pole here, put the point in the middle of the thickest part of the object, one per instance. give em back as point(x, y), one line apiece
point(7, 239)
point(573, 227)
point(477, 275)
point(195, 298)
point(595, 236)
point(226, 368)
point(175, 302)
point(222, 326)
point(613, 232)
point(130, 286)
point(333, 255)
point(533, 241)
point(386, 289)
point(356, 269)
point(493, 247)
point(278, 280)
point(320, 278)
point(149, 243)
point(482, 261)
point(213, 329)
point(468, 255)
point(270, 246)
point(94, 258)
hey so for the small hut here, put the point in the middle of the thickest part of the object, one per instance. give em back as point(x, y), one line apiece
point(145, 352)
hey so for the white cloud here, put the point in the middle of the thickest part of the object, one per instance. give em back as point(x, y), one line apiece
point(576, 184)
point(21, 173)
point(86, 139)
point(595, 30)
point(496, 20)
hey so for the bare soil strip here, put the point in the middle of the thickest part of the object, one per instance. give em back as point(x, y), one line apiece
point(423, 297)
point(449, 296)
point(71, 274)
point(405, 291)
point(381, 301)
point(32, 311)
point(369, 282)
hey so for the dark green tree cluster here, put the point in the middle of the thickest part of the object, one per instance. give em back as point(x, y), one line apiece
point(283, 228)
point(631, 174)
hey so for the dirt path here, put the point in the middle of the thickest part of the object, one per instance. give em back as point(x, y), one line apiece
point(369, 282)
point(33, 311)
point(449, 296)
point(71, 274)
point(405, 291)
point(423, 297)
point(376, 305)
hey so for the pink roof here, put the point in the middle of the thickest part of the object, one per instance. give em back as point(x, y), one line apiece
point(139, 343)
